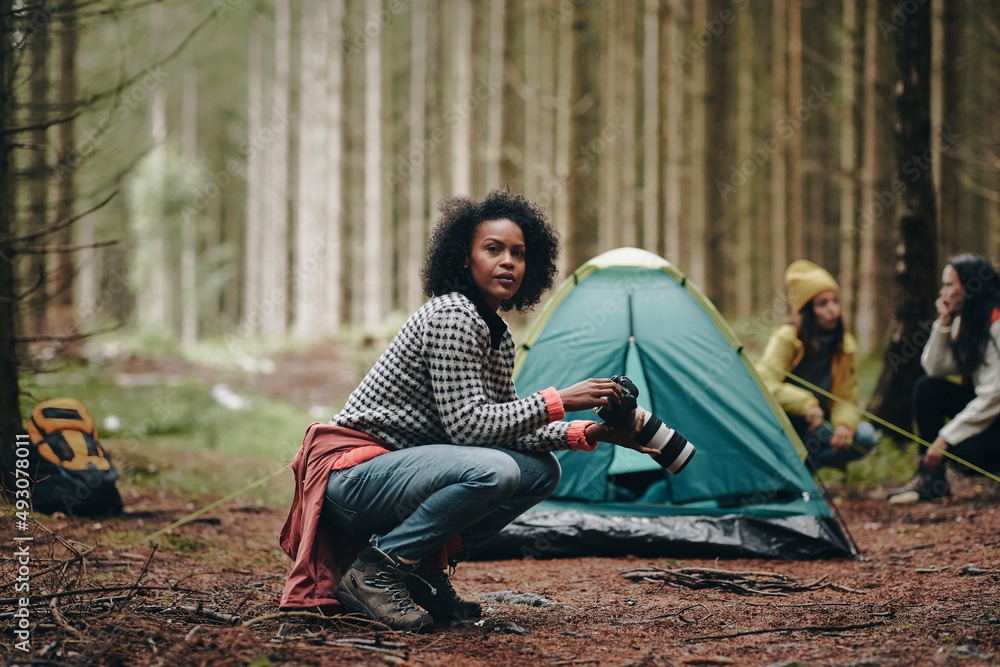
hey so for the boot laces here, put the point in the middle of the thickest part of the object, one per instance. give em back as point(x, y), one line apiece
point(392, 583)
point(439, 582)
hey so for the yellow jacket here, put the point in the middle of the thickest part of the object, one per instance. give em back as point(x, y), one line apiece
point(784, 351)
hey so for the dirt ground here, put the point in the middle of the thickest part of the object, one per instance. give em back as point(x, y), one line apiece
point(927, 593)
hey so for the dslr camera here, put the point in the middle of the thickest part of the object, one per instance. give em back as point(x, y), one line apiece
point(675, 450)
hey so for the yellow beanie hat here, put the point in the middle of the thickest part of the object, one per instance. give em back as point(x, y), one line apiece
point(805, 280)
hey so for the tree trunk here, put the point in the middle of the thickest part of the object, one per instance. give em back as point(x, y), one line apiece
point(461, 144)
point(61, 319)
point(745, 143)
point(651, 163)
point(310, 256)
point(189, 296)
point(945, 118)
point(152, 252)
point(852, 75)
point(275, 251)
point(376, 271)
point(564, 147)
point(796, 177)
point(611, 220)
point(673, 118)
point(333, 234)
point(872, 219)
point(916, 262)
point(778, 162)
point(698, 225)
point(512, 140)
point(531, 93)
point(628, 224)
point(256, 197)
point(417, 224)
point(10, 411)
point(38, 46)
point(580, 233)
point(718, 263)
point(494, 113)
point(546, 66)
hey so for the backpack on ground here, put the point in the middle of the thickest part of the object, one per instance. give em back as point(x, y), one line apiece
point(71, 471)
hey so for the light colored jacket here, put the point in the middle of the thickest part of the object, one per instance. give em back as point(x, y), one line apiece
point(938, 359)
point(784, 351)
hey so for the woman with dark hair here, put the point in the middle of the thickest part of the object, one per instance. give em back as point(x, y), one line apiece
point(434, 452)
point(815, 348)
point(963, 342)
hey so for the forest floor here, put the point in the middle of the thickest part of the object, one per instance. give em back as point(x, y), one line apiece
point(926, 592)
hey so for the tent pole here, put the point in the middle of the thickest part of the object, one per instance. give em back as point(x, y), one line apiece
point(855, 551)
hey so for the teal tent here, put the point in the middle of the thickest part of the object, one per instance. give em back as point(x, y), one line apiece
point(746, 492)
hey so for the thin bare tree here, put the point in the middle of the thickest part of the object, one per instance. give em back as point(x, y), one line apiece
point(417, 224)
point(255, 198)
point(852, 81)
point(333, 183)
point(673, 137)
point(495, 110)
point(310, 256)
point(651, 162)
point(626, 169)
point(778, 161)
point(60, 303)
point(274, 265)
point(375, 283)
point(461, 145)
point(695, 257)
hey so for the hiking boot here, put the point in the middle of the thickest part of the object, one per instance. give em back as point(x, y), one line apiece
point(923, 488)
point(374, 586)
point(433, 591)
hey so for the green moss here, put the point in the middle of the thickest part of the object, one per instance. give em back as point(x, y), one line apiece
point(187, 544)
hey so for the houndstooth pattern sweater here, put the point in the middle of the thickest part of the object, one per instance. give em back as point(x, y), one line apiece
point(447, 378)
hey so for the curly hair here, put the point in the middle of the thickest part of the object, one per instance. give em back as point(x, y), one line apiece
point(451, 243)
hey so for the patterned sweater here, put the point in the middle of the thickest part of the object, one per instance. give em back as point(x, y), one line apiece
point(446, 378)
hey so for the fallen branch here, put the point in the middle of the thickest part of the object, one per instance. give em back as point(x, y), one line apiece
point(197, 611)
point(679, 614)
point(141, 575)
point(312, 616)
point(803, 628)
point(35, 599)
point(63, 563)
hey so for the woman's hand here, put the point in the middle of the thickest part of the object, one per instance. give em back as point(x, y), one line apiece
point(935, 455)
point(946, 310)
point(814, 416)
point(622, 437)
point(842, 438)
point(592, 393)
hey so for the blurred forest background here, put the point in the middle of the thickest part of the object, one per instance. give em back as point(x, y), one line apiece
point(269, 169)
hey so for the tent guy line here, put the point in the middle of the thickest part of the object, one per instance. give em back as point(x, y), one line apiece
point(895, 428)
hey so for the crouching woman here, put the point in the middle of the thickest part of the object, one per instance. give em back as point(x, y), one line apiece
point(816, 348)
point(964, 342)
point(434, 452)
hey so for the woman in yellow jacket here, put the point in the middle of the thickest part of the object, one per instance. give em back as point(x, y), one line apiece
point(816, 348)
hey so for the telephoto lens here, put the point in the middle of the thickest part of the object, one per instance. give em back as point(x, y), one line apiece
point(675, 450)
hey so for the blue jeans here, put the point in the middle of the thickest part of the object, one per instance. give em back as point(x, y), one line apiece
point(818, 443)
point(413, 501)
